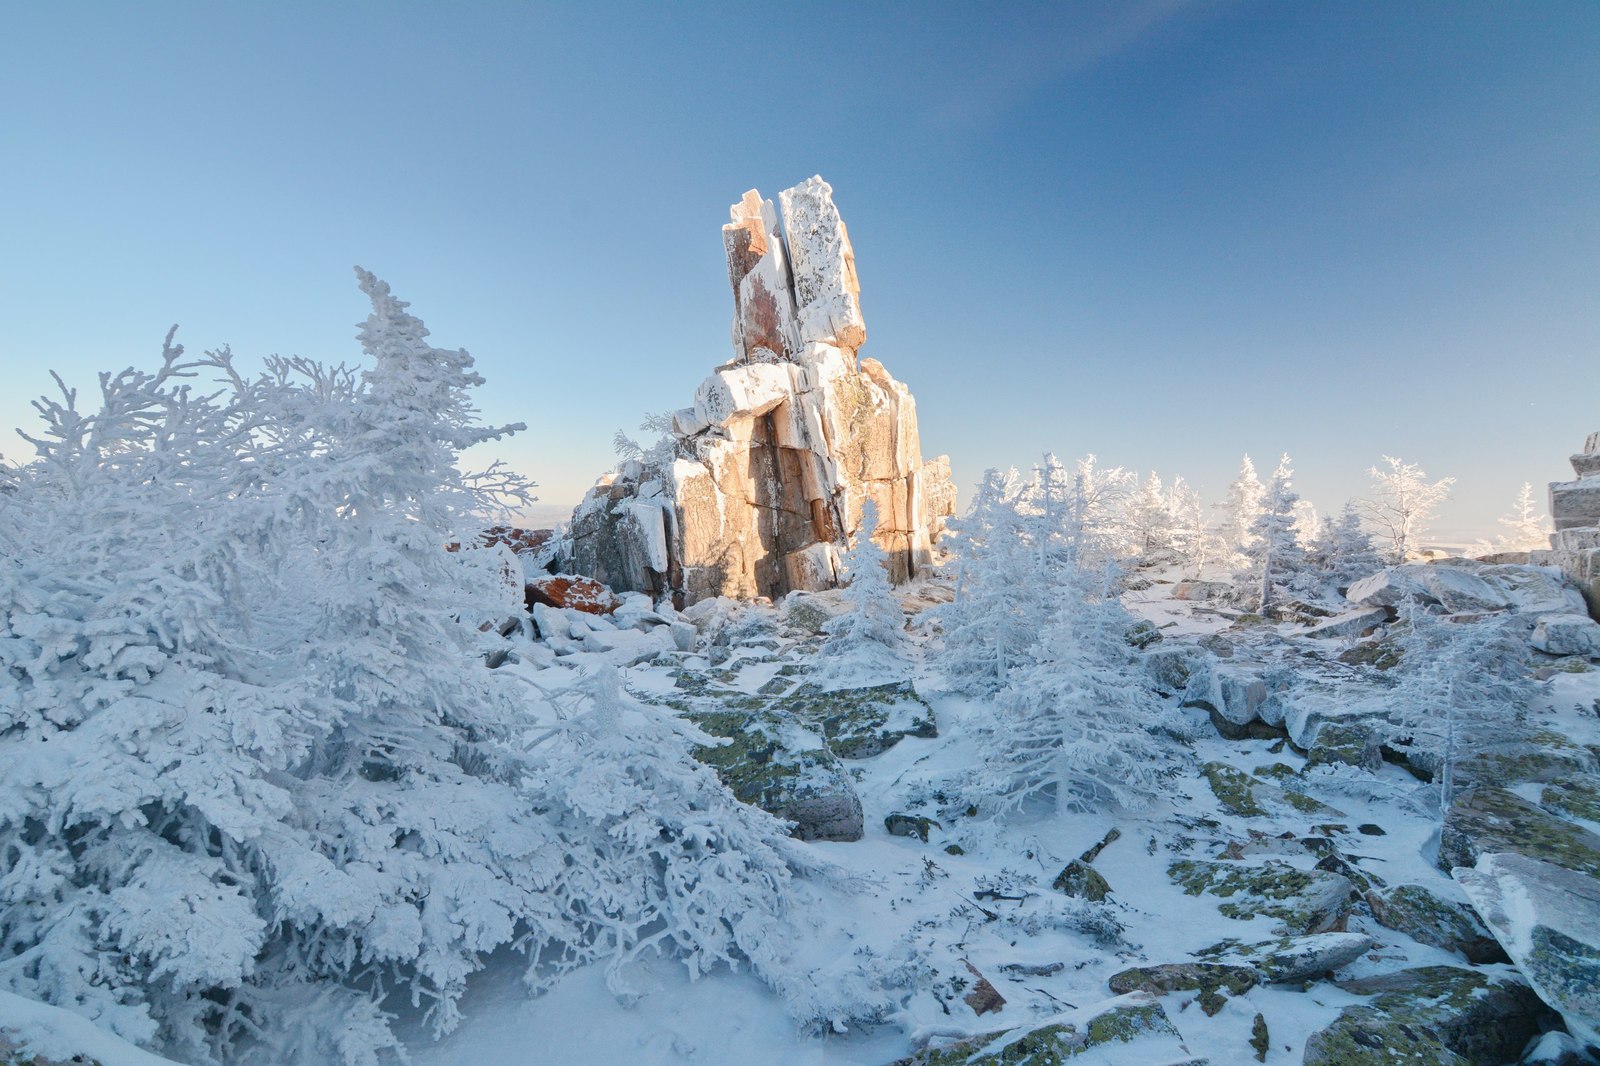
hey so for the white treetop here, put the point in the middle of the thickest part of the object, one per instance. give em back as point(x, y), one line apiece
point(1402, 502)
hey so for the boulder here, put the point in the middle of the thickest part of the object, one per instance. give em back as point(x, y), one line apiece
point(1429, 918)
point(1576, 797)
point(1347, 742)
point(909, 825)
point(1299, 901)
point(1214, 981)
point(1433, 1015)
point(807, 786)
point(1535, 589)
point(1293, 959)
point(1493, 820)
point(1548, 920)
point(563, 591)
point(1452, 588)
point(1567, 634)
point(760, 483)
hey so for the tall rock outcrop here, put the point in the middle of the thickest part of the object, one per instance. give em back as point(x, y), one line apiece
point(1575, 510)
point(754, 488)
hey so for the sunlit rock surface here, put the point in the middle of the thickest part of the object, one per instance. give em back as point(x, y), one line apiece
point(756, 487)
point(1575, 509)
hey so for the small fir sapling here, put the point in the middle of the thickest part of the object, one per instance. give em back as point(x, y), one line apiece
point(1528, 526)
point(1069, 728)
point(874, 616)
point(1342, 552)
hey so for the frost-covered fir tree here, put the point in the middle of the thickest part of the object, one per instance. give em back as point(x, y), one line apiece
point(1273, 551)
point(1192, 539)
point(1100, 514)
point(253, 774)
point(1150, 516)
point(1069, 729)
point(1342, 552)
point(993, 622)
point(1240, 509)
point(874, 618)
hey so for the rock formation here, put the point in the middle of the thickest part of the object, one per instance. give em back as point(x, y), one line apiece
point(753, 490)
point(1575, 509)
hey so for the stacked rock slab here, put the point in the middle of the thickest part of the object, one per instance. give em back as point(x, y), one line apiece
point(1575, 509)
point(759, 484)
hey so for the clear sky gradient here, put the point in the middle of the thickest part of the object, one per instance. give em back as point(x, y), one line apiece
point(1165, 233)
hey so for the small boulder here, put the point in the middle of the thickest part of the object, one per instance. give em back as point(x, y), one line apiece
point(1293, 959)
point(1300, 901)
point(910, 825)
point(569, 590)
point(1353, 624)
point(1357, 743)
point(1083, 881)
point(1130, 1030)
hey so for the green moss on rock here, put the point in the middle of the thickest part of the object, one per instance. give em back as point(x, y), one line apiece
point(1575, 798)
point(1302, 901)
point(1493, 819)
point(1080, 879)
point(1234, 790)
point(1430, 1016)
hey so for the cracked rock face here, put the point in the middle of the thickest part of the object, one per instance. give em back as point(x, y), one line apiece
point(759, 484)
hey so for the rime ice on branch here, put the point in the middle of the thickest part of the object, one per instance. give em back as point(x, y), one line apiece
point(756, 488)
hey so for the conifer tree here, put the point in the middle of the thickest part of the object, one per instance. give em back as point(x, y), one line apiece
point(1240, 509)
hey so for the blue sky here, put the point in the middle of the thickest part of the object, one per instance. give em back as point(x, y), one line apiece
point(1165, 233)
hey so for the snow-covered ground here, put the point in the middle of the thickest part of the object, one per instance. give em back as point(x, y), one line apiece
point(974, 900)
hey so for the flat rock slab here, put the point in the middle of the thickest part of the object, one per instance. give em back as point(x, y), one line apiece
point(859, 723)
point(807, 786)
point(1300, 901)
point(1430, 1016)
point(1493, 820)
point(1548, 919)
point(1455, 588)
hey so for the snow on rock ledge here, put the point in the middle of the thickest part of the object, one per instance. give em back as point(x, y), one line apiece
point(760, 482)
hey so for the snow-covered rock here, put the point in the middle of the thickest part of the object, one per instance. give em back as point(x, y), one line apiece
point(1428, 918)
point(1548, 920)
point(761, 482)
point(1567, 634)
point(1288, 960)
point(1352, 624)
point(1454, 588)
point(1431, 1014)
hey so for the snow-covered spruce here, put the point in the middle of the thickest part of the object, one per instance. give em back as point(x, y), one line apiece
point(253, 775)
